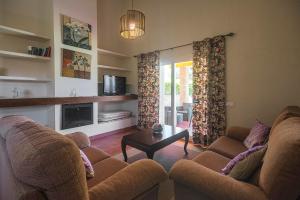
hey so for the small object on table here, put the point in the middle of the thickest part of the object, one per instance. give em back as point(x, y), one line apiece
point(146, 141)
point(157, 128)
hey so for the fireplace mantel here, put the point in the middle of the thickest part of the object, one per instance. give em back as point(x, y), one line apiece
point(44, 101)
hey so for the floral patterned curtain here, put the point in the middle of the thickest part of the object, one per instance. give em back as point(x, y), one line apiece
point(209, 108)
point(148, 89)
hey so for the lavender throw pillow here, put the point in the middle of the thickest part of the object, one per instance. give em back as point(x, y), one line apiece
point(226, 170)
point(88, 165)
point(258, 135)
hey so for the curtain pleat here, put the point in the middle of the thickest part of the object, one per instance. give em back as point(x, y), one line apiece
point(148, 89)
point(209, 93)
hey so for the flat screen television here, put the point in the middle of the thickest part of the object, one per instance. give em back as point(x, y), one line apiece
point(114, 85)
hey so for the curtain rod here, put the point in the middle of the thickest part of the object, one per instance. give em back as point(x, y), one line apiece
point(183, 45)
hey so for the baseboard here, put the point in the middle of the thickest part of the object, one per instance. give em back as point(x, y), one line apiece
point(99, 136)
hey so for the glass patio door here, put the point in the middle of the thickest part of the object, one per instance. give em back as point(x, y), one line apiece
point(176, 94)
point(183, 94)
point(166, 95)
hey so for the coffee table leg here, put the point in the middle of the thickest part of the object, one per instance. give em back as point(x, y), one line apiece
point(186, 143)
point(150, 154)
point(124, 150)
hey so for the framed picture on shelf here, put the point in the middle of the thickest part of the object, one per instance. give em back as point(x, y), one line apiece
point(76, 33)
point(76, 64)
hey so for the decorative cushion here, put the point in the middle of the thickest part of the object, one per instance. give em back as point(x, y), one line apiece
point(226, 170)
point(87, 164)
point(246, 167)
point(258, 135)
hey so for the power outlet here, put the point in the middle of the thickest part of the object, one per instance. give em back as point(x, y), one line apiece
point(230, 104)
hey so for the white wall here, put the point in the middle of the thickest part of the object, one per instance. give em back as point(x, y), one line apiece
point(1, 10)
point(38, 113)
point(85, 11)
point(44, 17)
point(88, 13)
point(262, 58)
point(109, 12)
point(33, 16)
point(1, 22)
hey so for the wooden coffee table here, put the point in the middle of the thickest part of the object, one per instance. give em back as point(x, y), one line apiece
point(148, 142)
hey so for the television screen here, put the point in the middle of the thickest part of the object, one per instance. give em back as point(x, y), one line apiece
point(114, 85)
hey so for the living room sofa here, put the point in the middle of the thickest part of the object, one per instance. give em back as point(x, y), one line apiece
point(278, 178)
point(37, 163)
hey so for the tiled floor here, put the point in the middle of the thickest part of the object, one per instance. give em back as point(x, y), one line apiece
point(166, 156)
point(112, 143)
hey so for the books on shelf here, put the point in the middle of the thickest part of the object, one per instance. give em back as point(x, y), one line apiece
point(113, 115)
point(46, 52)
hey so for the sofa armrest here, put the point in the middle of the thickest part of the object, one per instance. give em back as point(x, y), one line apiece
point(130, 182)
point(213, 184)
point(80, 139)
point(238, 133)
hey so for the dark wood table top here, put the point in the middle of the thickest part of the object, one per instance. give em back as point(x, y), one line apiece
point(147, 138)
point(149, 142)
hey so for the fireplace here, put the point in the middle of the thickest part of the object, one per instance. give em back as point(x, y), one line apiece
point(75, 115)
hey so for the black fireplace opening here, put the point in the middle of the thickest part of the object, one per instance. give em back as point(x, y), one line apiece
point(75, 115)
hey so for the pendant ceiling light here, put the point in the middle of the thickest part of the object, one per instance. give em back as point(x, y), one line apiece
point(132, 24)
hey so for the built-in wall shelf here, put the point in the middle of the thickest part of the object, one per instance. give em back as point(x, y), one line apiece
point(21, 102)
point(108, 52)
point(115, 120)
point(22, 79)
point(11, 54)
point(22, 33)
point(113, 68)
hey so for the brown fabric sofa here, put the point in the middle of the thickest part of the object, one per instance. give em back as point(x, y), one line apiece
point(278, 178)
point(38, 163)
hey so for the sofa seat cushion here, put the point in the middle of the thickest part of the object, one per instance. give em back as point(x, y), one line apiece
point(105, 169)
point(227, 147)
point(94, 154)
point(212, 160)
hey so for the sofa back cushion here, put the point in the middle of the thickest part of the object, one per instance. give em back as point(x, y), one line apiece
point(44, 159)
point(280, 174)
point(80, 139)
point(8, 122)
point(287, 112)
point(10, 187)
